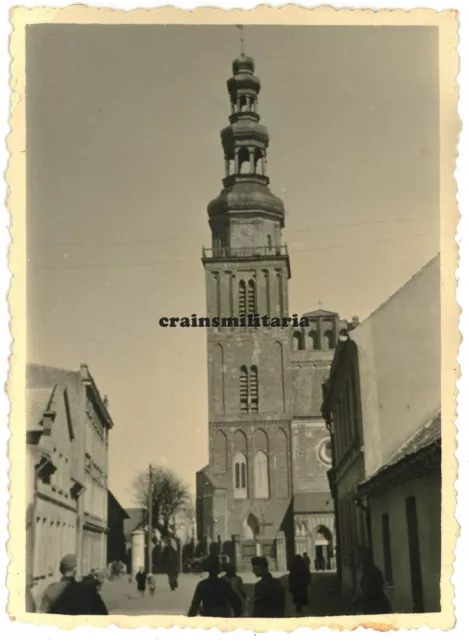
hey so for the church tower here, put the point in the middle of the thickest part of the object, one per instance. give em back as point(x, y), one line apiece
point(244, 492)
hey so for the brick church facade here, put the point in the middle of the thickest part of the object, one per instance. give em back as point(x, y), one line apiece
point(265, 489)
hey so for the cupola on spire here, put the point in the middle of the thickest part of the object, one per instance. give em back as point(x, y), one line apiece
point(245, 142)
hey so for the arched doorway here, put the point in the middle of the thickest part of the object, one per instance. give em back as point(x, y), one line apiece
point(250, 537)
point(324, 550)
point(250, 527)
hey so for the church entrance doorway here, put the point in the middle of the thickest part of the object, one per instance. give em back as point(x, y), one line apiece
point(323, 557)
point(250, 541)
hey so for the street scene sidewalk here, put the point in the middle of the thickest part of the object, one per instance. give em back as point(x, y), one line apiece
point(122, 598)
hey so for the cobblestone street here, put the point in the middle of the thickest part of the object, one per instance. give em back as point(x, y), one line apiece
point(122, 598)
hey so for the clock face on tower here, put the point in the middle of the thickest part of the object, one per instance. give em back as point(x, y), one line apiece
point(247, 233)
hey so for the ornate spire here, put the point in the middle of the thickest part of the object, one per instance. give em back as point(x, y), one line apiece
point(241, 37)
point(245, 142)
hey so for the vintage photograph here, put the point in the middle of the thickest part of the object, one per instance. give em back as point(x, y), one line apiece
point(236, 238)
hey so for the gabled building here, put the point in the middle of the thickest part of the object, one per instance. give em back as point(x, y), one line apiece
point(382, 403)
point(67, 428)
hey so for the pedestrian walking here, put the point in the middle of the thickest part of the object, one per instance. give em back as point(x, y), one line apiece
point(214, 596)
point(170, 558)
point(151, 584)
point(72, 598)
point(374, 599)
point(298, 582)
point(269, 594)
point(236, 583)
point(141, 580)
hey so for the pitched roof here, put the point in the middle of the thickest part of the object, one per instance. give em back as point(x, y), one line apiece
point(117, 504)
point(417, 449)
point(135, 518)
point(313, 502)
point(37, 402)
point(319, 312)
point(429, 433)
point(207, 472)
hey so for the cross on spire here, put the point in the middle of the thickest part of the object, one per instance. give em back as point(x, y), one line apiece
point(241, 37)
point(319, 303)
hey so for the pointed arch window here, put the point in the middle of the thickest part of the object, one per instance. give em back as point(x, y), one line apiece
point(253, 390)
point(244, 390)
point(249, 390)
point(251, 299)
point(242, 298)
point(261, 475)
point(240, 482)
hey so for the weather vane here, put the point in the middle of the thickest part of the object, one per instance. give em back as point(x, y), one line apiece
point(241, 37)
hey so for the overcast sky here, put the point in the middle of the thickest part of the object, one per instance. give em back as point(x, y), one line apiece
point(124, 154)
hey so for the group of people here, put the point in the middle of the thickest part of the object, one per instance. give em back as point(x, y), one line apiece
point(72, 597)
point(144, 580)
point(225, 596)
point(218, 596)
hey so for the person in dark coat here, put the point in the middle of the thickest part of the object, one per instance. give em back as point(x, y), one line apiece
point(374, 599)
point(214, 596)
point(298, 582)
point(269, 594)
point(141, 580)
point(171, 563)
point(71, 598)
point(307, 561)
point(236, 583)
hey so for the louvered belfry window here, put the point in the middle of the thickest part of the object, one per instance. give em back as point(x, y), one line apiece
point(244, 390)
point(254, 390)
point(248, 390)
point(251, 296)
point(242, 298)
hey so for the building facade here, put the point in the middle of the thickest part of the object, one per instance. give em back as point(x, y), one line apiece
point(116, 543)
point(265, 489)
point(382, 401)
point(62, 408)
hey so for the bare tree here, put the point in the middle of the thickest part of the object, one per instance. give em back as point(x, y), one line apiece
point(170, 495)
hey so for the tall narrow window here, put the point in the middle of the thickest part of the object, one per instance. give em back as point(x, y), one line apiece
point(243, 390)
point(242, 298)
point(261, 475)
point(239, 475)
point(269, 242)
point(254, 390)
point(386, 548)
point(251, 296)
point(267, 291)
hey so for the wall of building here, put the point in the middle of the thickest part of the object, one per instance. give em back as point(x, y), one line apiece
point(309, 369)
point(427, 493)
point(84, 460)
point(399, 374)
point(309, 471)
point(116, 549)
point(272, 439)
point(352, 525)
point(229, 350)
